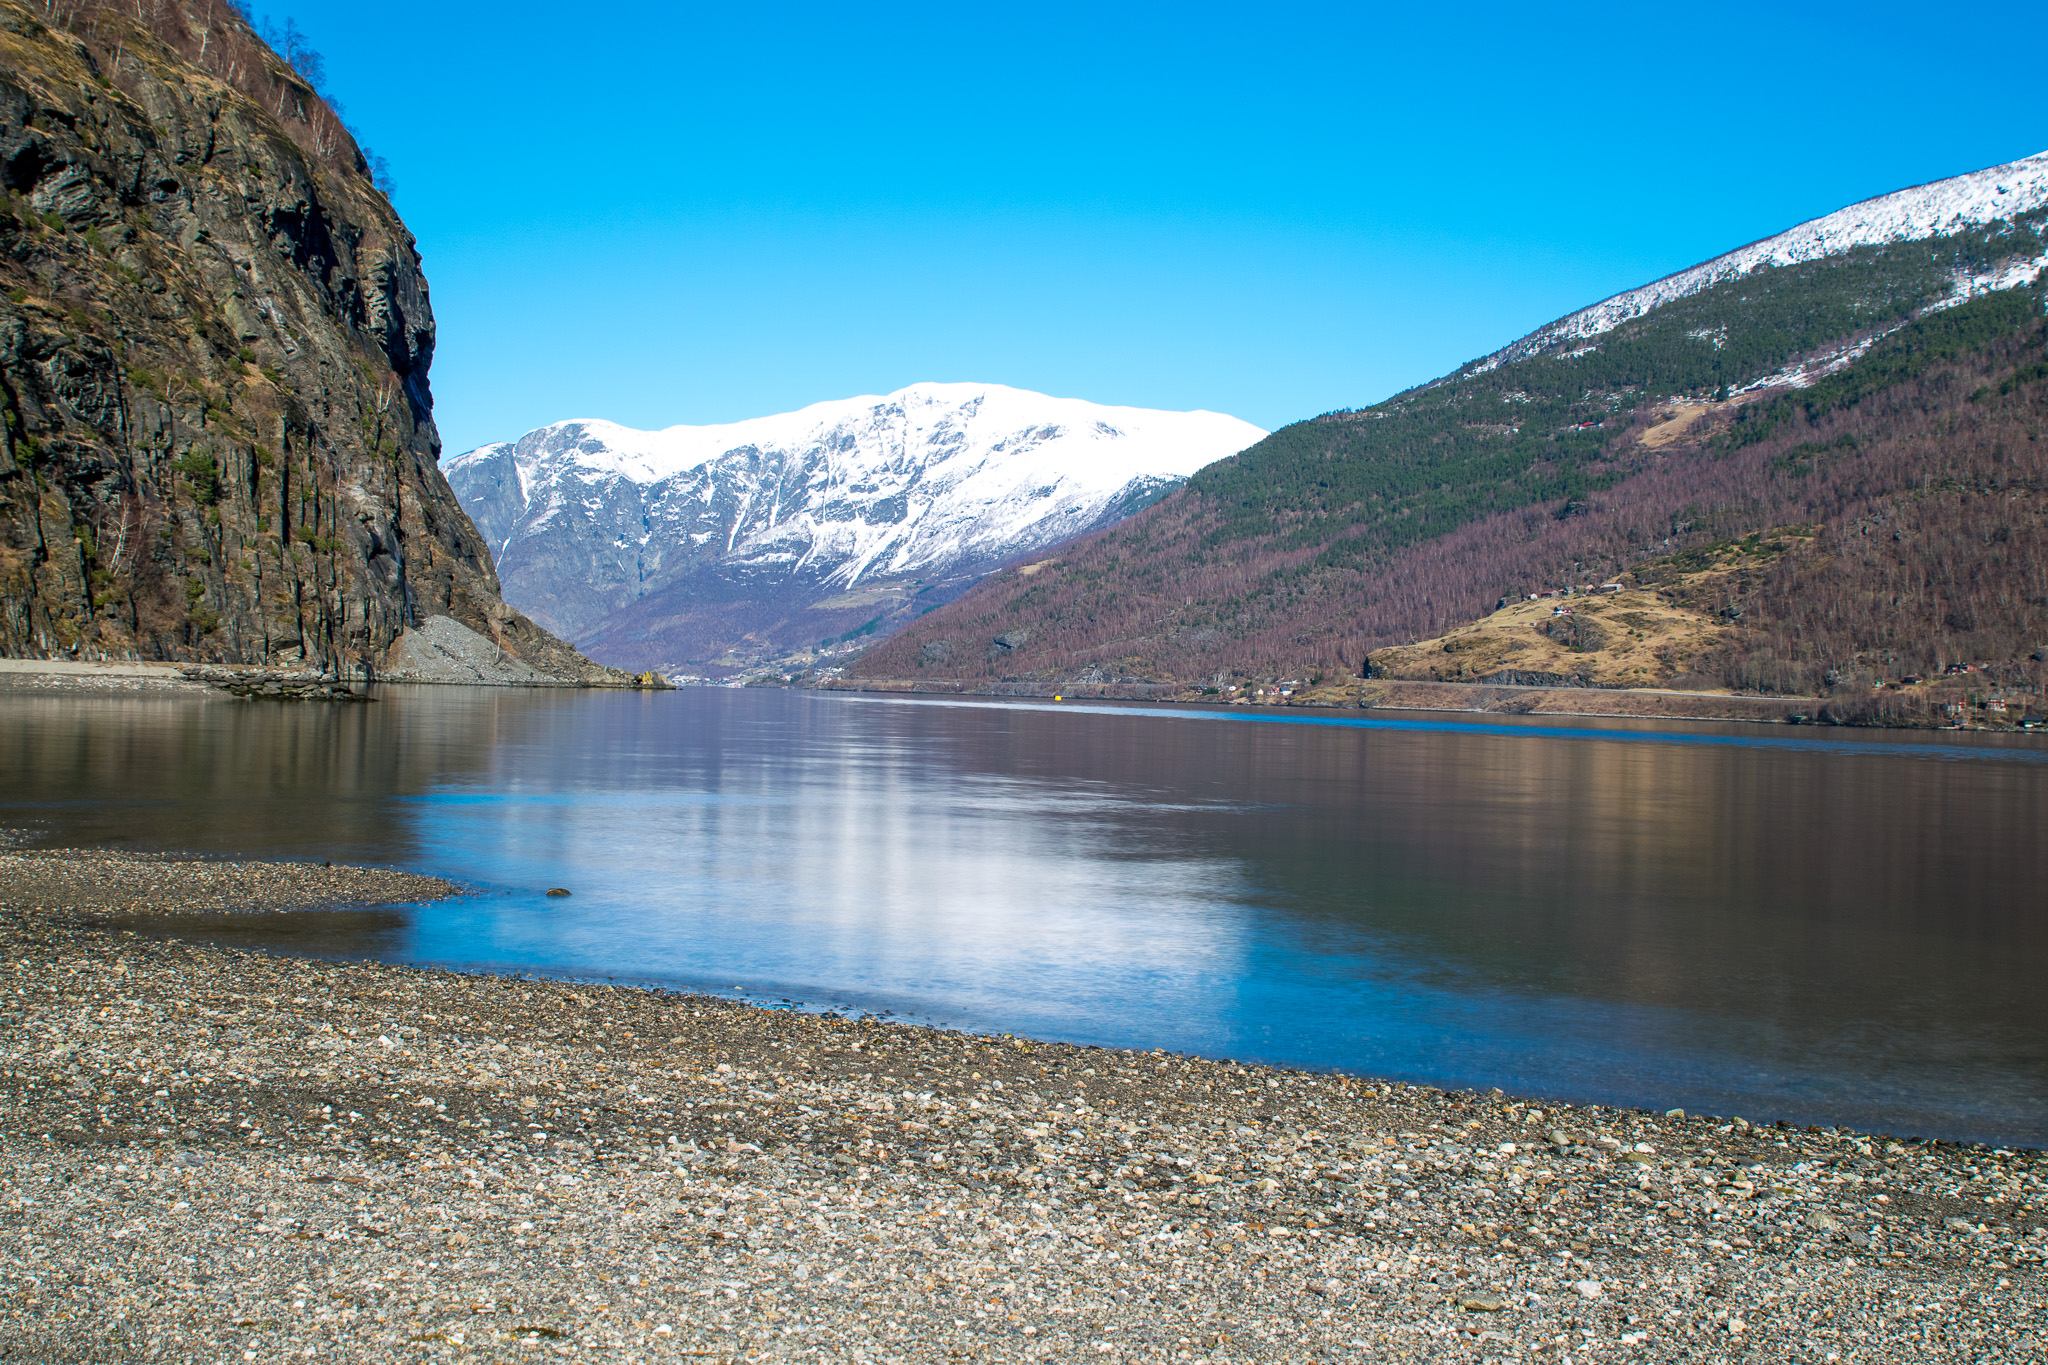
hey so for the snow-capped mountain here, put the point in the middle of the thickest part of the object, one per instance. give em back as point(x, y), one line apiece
point(719, 546)
point(1930, 210)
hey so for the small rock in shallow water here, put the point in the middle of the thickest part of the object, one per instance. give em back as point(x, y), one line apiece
point(558, 891)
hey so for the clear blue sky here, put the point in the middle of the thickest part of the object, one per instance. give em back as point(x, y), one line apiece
point(665, 213)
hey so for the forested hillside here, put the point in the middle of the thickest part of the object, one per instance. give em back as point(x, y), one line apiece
point(1337, 536)
point(1885, 525)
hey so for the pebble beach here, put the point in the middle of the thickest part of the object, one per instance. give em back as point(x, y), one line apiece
point(222, 1155)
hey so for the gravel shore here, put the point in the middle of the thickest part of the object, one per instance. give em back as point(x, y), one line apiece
point(65, 678)
point(95, 677)
point(214, 1155)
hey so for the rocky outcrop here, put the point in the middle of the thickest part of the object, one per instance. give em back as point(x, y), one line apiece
point(215, 336)
point(284, 684)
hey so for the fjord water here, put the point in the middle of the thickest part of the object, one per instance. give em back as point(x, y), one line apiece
point(1771, 922)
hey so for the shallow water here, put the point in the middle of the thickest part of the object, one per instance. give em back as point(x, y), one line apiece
point(1776, 923)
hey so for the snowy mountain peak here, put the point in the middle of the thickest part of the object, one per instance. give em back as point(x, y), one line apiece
point(1128, 442)
point(643, 543)
point(1929, 210)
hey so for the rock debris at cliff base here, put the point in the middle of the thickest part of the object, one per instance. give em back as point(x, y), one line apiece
point(216, 1155)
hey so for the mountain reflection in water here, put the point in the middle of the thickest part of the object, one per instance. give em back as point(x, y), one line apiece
point(1739, 920)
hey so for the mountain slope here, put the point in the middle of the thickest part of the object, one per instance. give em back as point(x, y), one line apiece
point(214, 343)
point(1933, 210)
point(1307, 551)
point(1887, 525)
point(723, 546)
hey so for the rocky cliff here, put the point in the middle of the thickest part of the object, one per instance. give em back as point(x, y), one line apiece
point(219, 441)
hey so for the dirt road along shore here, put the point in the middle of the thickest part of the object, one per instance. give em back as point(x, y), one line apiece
point(212, 1155)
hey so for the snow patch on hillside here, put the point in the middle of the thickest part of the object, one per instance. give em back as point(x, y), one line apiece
point(1905, 215)
point(1805, 373)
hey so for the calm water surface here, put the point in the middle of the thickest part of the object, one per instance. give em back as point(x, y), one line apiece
point(1740, 920)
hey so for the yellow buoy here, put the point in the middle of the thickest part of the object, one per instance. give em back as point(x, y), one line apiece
point(1055, 696)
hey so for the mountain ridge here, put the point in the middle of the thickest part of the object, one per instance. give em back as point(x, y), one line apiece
point(1910, 214)
point(725, 546)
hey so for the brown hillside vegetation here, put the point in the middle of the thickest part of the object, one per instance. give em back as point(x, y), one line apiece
point(1926, 501)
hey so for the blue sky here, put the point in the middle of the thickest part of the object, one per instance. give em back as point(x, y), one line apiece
point(693, 213)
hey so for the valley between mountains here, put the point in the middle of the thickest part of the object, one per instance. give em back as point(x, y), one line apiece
point(351, 1020)
point(1811, 468)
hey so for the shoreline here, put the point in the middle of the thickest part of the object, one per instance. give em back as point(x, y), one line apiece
point(63, 677)
point(1538, 699)
point(1507, 699)
point(128, 677)
point(213, 1151)
point(1461, 698)
point(40, 677)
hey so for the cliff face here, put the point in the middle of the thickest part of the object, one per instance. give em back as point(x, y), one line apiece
point(214, 342)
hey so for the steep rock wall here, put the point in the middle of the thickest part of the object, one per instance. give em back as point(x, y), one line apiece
point(214, 344)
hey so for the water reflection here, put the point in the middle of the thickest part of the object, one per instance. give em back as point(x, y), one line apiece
point(1842, 928)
